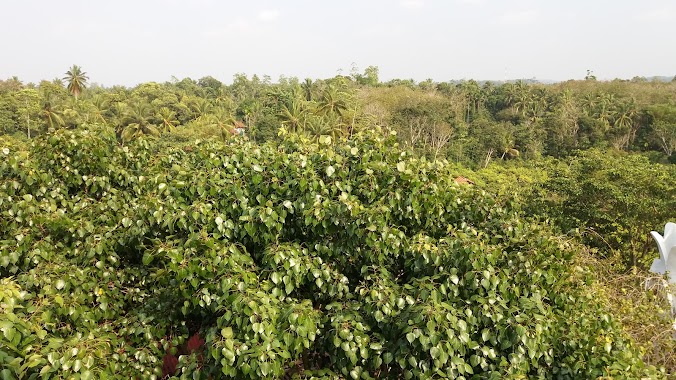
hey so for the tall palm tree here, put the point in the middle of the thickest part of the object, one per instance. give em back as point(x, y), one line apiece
point(200, 107)
point(589, 102)
point(624, 124)
point(307, 87)
point(516, 94)
point(51, 115)
point(568, 110)
point(101, 108)
point(605, 109)
point(332, 102)
point(293, 116)
point(625, 114)
point(137, 120)
point(224, 99)
point(77, 80)
point(167, 119)
point(319, 125)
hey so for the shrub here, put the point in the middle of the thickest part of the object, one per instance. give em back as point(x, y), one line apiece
point(352, 260)
point(615, 199)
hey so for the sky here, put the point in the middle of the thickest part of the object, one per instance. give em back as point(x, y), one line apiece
point(126, 42)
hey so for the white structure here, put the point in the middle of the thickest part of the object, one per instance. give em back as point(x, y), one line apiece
point(666, 263)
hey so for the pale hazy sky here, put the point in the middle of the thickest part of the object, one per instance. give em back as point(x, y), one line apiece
point(131, 41)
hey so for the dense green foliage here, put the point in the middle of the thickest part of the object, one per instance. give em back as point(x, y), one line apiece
point(615, 199)
point(466, 121)
point(349, 259)
point(256, 229)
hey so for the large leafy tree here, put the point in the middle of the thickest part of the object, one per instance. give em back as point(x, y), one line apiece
point(663, 128)
point(232, 260)
point(615, 198)
point(76, 79)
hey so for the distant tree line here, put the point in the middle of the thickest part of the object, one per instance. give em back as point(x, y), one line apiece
point(464, 121)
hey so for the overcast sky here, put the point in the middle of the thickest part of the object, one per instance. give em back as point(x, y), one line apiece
point(131, 41)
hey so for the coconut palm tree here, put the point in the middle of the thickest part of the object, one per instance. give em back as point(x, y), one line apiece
point(566, 108)
point(332, 101)
point(137, 120)
point(119, 111)
point(318, 126)
point(200, 107)
point(51, 116)
point(293, 116)
point(624, 125)
point(605, 108)
point(223, 119)
point(167, 119)
point(626, 112)
point(76, 79)
point(588, 103)
point(101, 108)
point(307, 87)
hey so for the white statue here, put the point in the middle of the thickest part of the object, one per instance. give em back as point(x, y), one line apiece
point(666, 263)
point(667, 247)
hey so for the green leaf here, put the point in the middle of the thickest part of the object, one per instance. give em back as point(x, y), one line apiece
point(388, 357)
point(77, 364)
point(41, 334)
point(412, 361)
point(226, 332)
point(147, 258)
point(45, 370)
point(462, 325)
point(325, 140)
point(485, 334)
point(60, 284)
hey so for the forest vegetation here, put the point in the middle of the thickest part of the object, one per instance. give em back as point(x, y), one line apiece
point(334, 228)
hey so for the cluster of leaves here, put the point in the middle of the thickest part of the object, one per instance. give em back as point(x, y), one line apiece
point(317, 260)
point(606, 203)
point(613, 199)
